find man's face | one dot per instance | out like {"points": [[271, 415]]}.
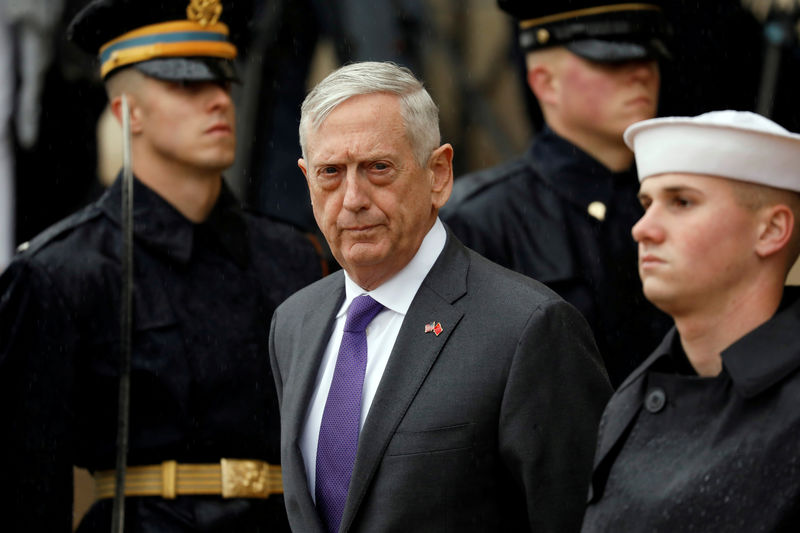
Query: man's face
{"points": [[371, 199], [696, 242], [186, 125], [602, 99]]}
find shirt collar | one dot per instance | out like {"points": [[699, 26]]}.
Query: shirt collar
{"points": [[660, 359], [227, 224], [159, 225], [669, 357], [755, 362], [398, 291], [770, 352], [573, 173]]}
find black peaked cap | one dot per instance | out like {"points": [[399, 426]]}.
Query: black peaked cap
{"points": [[598, 30]]}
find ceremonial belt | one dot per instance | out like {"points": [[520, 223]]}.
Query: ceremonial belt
{"points": [[230, 478]]}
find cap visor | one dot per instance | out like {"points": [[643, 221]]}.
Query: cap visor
{"points": [[189, 69], [617, 51]]}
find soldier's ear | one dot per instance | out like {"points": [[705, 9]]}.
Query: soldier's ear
{"points": [[135, 112], [543, 82]]}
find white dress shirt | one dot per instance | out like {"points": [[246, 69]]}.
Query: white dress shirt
{"points": [[395, 295]]}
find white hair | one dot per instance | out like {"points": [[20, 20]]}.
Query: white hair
{"points": [[418, 110]]}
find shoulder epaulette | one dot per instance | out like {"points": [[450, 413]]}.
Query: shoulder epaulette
{"points": [[64, 225], [471, 184]]}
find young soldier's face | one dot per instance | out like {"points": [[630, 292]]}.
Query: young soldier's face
{"points": [[602, 99], [696, 241], [188, 125]]}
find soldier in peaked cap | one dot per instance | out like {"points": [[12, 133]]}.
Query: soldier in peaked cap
{"points": [[562, 212], [703, 435], [204, 440]]}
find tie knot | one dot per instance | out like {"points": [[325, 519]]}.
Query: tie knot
{"points": [[361, 312]]}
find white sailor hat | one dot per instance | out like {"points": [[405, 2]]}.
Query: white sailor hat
{"points": [[737, 145]]}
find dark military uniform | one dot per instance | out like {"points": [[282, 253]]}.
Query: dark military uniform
{"points": [[559, 216], [201, 386], [682, 453]]}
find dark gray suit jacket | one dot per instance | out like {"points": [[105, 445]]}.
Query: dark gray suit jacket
{"points": [[489, 426]]}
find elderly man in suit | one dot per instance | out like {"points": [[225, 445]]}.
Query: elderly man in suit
{"points": [[423, 388]]}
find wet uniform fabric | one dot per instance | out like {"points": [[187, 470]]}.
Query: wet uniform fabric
{"points": [[559, 216], [678, 452], [201, 385]]}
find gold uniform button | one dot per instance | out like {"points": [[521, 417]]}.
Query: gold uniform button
{"points": [[542, 36], [597, 210]]}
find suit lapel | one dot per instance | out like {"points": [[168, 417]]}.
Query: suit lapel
{"points": [[412, 357], [317, 325]]}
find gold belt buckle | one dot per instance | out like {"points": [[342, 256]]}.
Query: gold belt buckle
{"points": [[245, 478]]}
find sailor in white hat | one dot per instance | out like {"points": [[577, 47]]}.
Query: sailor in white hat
{"points": [[703, 435]]}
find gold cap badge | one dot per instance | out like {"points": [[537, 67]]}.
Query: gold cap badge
{"points": [[204, 12]]}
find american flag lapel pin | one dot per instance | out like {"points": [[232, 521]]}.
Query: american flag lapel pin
{"points": [[435, 327]]}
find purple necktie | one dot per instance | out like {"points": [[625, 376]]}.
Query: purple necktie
{"points": [[338, 434]]}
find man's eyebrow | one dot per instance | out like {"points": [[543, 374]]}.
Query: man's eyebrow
{"points": [[365, 158], [667, 190], [678, 188]]}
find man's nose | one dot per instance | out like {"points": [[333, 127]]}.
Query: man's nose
{"points": [[648, 228], [644, 69], [219, 95], [355, 194]]}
